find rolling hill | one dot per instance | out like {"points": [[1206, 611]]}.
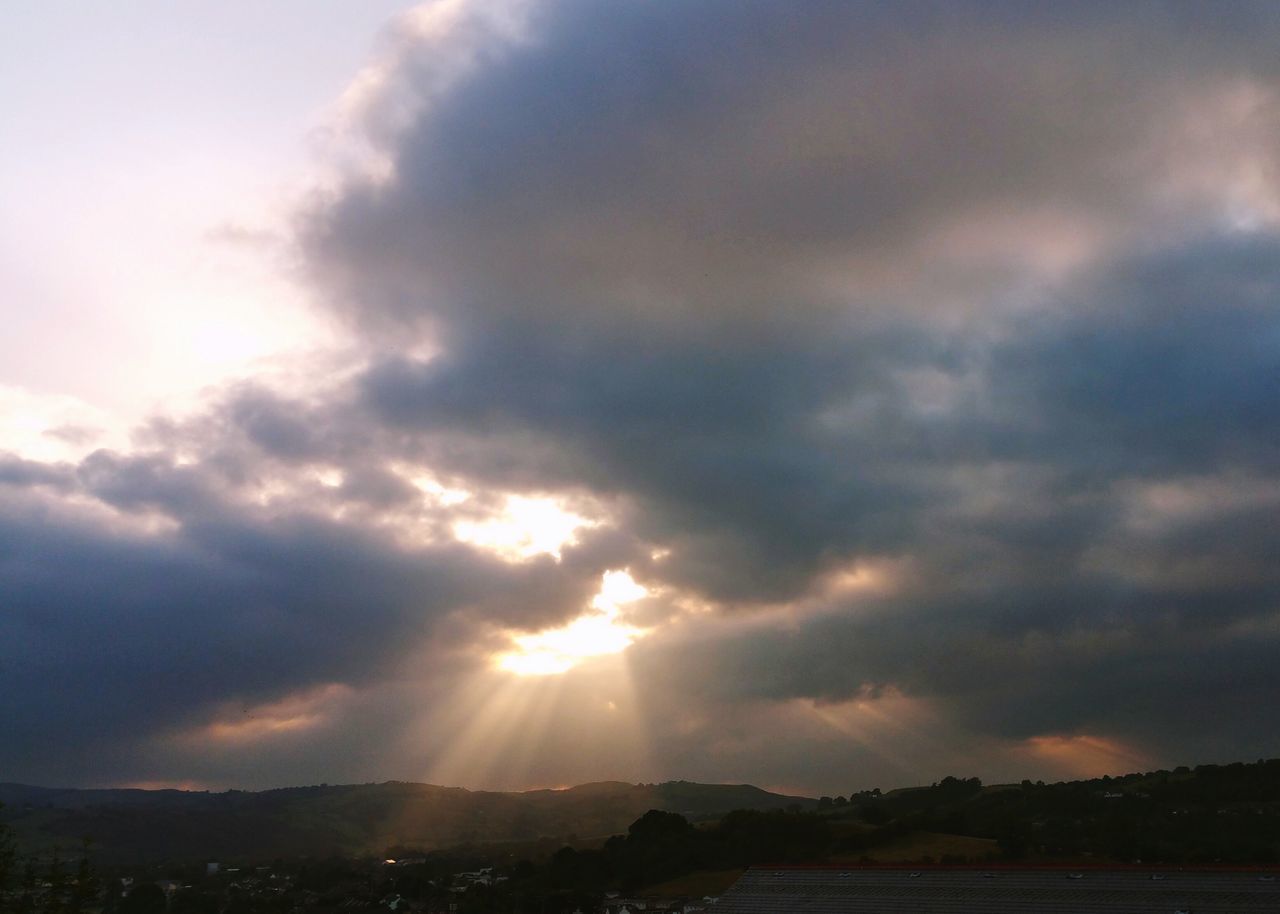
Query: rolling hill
{"points": [[144, 825]]}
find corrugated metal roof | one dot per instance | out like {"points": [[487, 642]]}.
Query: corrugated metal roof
{"points": [[867, 890]]}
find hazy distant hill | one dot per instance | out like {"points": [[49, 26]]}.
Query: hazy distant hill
{"points": [[137, 825]]}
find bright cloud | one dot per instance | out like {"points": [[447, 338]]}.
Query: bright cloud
{"points": [[524, 527], [595, 633]]}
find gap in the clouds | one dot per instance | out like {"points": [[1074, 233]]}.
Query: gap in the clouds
{"points": [[523, 527], [52, 427], [514, 526], [598, 631]]}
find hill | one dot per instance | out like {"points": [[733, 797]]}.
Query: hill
{"points": [[1207, 814], [141, 825]]}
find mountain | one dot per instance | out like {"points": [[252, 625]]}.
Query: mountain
{"points": [[130, 826]]}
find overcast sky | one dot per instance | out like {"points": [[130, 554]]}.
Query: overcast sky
{"points": [[515, 393]]}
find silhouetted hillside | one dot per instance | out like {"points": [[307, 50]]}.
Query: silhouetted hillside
{"points": [[135, 825], [1209, 814]]}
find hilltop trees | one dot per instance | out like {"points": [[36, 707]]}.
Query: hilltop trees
{"points": [[24, 890], [8, 856], [147, 898]]}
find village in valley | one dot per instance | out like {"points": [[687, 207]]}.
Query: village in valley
{"points": [[1211, 833]]}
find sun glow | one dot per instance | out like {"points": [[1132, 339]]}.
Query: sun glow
{"points": [[508, 732], [53, 427], [596, 632], [295, 713], [1083, 755], [526, 527]]}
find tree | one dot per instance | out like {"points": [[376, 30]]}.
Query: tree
{"points": [[147, 898], [85, 891], [656, 824], [57, 879], [8, 854], [27, 896]]}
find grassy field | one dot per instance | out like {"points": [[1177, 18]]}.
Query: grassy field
{"points": [[696, 885], [908, 849], [915, 847]]}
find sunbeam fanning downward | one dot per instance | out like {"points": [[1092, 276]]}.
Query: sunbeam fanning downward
{"points": [[505, 731], [597, 631], [510, 732]]}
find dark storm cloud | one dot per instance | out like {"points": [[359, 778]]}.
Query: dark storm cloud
{"points": [[1072, 599], [669, 251], [794, 283], [1173, 367], [715, 442], [790, 451], [1020, 663], [721, 166], [112, 633], [14, 471], [983, 291]]}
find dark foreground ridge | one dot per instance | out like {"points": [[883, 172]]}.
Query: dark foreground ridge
{"points": [[356, 819], [1007, 890], [1209, 815], [1198, 841]]}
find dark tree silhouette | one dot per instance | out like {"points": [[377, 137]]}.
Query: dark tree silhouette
{"points": [[147, 898]]}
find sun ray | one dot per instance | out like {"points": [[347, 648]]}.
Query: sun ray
{"points": [[1084, 755], [876, 724], [513, 732], [597, 632]]}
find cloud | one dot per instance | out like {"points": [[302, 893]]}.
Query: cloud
{"points": [[917, 361], [654, 268], [940, 286], [702, 170], [145, 596]]}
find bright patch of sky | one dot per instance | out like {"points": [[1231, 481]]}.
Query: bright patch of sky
{"points": [[526, 527], [595, 633], [152, 152]]}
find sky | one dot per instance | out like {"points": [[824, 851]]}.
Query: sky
{"points": [[520, 393]]}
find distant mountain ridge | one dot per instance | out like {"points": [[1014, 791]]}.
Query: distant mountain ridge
{"points": [[131, 825]]}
